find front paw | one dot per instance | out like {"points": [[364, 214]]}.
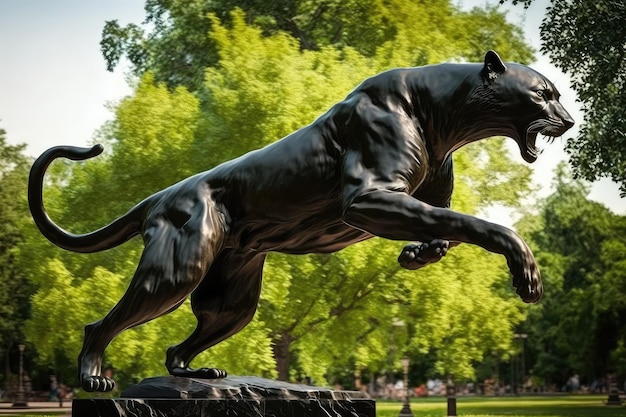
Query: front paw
{"points": [[526, 276], [530, 288], [418, 255]]}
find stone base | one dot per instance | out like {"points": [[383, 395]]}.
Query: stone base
{"points": [[234, 396]]}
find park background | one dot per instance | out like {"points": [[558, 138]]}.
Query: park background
{"points": [[330, 319]]}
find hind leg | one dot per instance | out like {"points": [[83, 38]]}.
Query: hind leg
{"points": [[224, 303], [98, 335], [173, 263]]}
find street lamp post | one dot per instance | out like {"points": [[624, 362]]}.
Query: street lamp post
{"points": [[406, 407], [522, 337], [20, 397]]}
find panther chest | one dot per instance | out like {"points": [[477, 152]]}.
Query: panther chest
{"points": [[437, 186]]}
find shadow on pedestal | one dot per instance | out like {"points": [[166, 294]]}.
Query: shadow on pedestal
{"points": [[234, 396]]}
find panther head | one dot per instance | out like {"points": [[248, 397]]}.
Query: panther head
{"points": [[528, 101]]}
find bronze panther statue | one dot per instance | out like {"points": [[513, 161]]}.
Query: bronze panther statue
{"points": [[376, 164]]}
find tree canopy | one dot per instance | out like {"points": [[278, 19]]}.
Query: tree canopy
{"points": [[579, 326], [172, 42], [586, 40], [15, 289]]}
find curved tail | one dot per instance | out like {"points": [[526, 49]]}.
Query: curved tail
{"points": [[116, 233]]}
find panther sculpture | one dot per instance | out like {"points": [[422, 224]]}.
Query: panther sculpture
{"points": [[377, 163]]}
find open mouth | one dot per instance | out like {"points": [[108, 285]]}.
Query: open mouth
{"points": [[550, 128]]}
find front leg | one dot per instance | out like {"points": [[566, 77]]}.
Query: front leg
{"points": [[398, 216], [385, 161]]}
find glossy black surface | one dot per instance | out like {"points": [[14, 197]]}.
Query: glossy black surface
{"points": [[377, 163]]}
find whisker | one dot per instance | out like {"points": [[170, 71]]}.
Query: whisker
{"points": [[553, 120], [537, 125]]}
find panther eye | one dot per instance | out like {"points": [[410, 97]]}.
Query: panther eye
{"points": [[540, 93]]}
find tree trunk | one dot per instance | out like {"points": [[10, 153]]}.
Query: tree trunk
{"points": [[282, 355]]}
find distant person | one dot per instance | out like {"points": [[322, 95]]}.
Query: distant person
{"points": [[53, 395], [573, 383]]}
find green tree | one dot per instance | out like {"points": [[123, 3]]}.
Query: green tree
{"points": [[175, 47], [327, 310], [579, 325], [586, 40], [14, 286], [265, 88], [342, 310]]}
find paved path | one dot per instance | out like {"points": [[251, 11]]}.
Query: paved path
{"points": [[6, 409]]}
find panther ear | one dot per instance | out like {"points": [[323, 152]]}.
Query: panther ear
{"points": [[493, 66]]}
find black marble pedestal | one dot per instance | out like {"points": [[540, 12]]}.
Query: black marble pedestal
{"points": [[234, 396]]}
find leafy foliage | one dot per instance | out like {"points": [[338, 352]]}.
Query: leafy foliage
{"points": [[397, 32], [14, 286], [264, 88], [579, 325]]}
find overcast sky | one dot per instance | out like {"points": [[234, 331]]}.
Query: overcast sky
{"points": [[54, 87]]}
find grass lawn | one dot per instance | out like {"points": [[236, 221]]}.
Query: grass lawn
{"points": [[549, 406]]}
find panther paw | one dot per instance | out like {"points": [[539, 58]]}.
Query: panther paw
{"points": [[96, 383], [418, 255], [529, 288], [526, 274], [201, 373]]}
